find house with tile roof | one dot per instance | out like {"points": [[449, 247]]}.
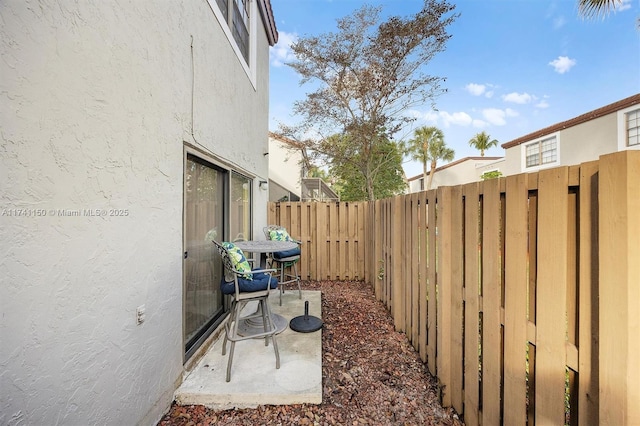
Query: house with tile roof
{"points": [[611, 128]]}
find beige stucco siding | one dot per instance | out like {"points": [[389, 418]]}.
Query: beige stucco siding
{"points": [[285, 166], [96, 107], [589, 140]]}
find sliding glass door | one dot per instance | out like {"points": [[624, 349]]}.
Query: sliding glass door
{"points": [[217, 206], [203, 221]]}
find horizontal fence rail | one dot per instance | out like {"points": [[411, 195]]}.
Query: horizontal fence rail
{"points": [[521, 293]]}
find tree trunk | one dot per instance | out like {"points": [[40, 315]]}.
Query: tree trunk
{"points": [[370, 194], [431, 173]]}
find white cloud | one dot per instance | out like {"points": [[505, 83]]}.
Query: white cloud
{"points": [[447, 119], [559, 22], [479, 89], [443, 118], [457, 118], [562, 64], [476, 89], [497, 116], [542, 104], [623, 5], [281, 52], [518, 98]]}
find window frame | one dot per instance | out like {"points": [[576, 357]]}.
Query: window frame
{"points": [[226, 21], [540, 141], [623, 139]]}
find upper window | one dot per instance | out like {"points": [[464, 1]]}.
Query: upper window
{"points": [[632, 119], [629, 128], [541, 152], [236, 14], [237, 19]]}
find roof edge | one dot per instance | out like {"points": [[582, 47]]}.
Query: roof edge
{"points": [[266, 13], [453, 163], [591, 115]]}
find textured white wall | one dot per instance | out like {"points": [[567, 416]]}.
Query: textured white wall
{"points": [[578, 144], [95, 106], [284, 166], [466, 171]]}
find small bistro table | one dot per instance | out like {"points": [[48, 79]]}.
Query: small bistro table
{"points": [[262, 247]]}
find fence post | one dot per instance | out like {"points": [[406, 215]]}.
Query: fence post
{"points": [[619, 239]]}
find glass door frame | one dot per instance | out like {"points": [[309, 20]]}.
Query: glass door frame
{"points": [[227, 172]]}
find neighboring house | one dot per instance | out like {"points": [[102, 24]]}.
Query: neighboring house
{"points": [[465, 170], [285, 168], [132, 134], [287, 175], [612, 128]]}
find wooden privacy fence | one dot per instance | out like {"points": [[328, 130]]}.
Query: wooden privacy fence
{"points": [[332, 235], [522, 294]]}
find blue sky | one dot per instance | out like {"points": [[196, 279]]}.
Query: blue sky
{"points": [[511, 66]]}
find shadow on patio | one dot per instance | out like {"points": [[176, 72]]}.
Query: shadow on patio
{"points": [[371, 375], [254, 377]]}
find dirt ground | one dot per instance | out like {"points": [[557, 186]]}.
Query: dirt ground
{"points": [[371, 375]]}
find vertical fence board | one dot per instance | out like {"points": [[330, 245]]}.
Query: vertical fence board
{"points": [[515, 328], [305, 237], [387, 265], [422, 293], [431, 282], [457, 281], [333, 253], [551, 295], [491, 304], [619, 207], [378, 225], [588, 295], [341, 255], [444, 284], [406, 255], [353, 221], [415, 301], [471, 308], [397, 217], [321, 236]]}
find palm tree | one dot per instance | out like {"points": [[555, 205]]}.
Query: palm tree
{"points": [[482, 141], [418, 147], [594, 8], [438, 150]]}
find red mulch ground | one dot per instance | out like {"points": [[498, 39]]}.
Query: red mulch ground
{"points": [[371, 374]]}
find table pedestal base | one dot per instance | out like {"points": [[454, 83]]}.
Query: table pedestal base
{"points": [[250, 326]]}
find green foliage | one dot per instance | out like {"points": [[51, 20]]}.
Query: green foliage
{"points": [[418, 147], [491, 175], [386, 172], [482, 142], [438, 150]]}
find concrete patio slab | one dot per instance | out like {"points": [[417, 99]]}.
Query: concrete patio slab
{"points": [[254, 377]]}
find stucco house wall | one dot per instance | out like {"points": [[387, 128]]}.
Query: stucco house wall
{"points": [[285, 170], [464, 170], [99, 102]]}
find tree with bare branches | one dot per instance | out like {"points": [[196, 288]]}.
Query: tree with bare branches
{"points": [[366, 76]]}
